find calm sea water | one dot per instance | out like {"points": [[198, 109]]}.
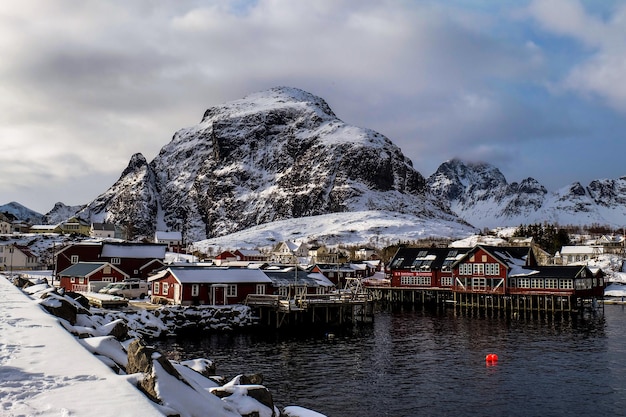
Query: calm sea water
{"points": [[420, 363]]}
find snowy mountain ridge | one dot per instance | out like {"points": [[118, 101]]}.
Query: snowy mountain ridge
{"points": [[479, 193], [283, 154]]}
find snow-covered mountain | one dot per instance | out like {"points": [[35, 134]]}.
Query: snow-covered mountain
{"points": [[479, 193], [273, 155], [132, 202], [21, 213], [282, 154], [60, 212]]}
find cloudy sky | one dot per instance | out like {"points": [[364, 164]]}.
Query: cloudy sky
{"points": [[536, 88]]}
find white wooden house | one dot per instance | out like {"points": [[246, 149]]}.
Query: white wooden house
{"points": [[17, 257], [102, 230], [5, 225], [289, 252], [173, 240], [578, 254]]}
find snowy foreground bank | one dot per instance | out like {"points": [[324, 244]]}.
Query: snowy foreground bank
{"points": [[86, 364]]}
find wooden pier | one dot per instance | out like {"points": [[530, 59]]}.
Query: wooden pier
{"points": [[324, 309], [405, 295], [506, 304]]}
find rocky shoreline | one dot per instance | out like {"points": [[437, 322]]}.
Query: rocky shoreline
{"points": [[121, 339]]}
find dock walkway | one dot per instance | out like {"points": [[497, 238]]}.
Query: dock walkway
{"points": [[340, 308]]}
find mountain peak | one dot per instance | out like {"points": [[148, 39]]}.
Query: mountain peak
{"points": [[270, 102], [22, 213], [272, 155]]}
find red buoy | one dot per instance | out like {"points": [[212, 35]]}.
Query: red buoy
{"points": [[491, 357]]}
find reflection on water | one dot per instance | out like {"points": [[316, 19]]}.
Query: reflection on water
{"points": [[411, 363]]}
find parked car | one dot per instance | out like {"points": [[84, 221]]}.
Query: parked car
{"points": [[127, 289]]}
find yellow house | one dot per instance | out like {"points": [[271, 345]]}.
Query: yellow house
{"points": [[45, 228], [75, 225]]}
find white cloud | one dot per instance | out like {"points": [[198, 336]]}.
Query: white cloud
{"points": [[602, 73], [88, 84]]}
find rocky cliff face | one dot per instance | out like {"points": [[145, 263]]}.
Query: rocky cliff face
{"points": [[132, 202], [273, 155]]}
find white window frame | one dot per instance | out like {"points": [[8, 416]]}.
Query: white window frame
{"points": [[260, 289], [492, 269], [165, 288], [231, 290], [551, 283], [156, 288], [195, 290], [479, 284], [465, 269], [74, 259], [116, 261]]}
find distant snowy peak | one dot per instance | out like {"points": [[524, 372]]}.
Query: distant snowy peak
{"points": [[21, 213], [479, 194], [456, 180], [61, 212], [608, 192]]}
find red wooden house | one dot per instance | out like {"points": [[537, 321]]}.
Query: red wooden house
{"points": [[424, 267], [137, 260], [225, 257], [251, 255], [485, 269], [577, 281], [82, 276], [193, 285], [79, 252]]}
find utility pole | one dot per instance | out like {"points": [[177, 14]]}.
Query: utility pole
{"points": [[11, 249]]}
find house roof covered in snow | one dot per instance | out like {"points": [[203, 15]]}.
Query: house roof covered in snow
{"points": [[161, 235], [133, 250], [287, 277], [84, 269], [213, 275], [433, 258], [581, 250], [103, 226]]}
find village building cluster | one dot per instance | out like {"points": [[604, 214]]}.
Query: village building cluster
{"points": [[229, 278], [515, 268]]}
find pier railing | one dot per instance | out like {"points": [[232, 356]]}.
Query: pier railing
{"points": [[305, 300]]}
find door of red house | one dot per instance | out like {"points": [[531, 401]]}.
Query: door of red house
{"points": [[219, 296]]}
